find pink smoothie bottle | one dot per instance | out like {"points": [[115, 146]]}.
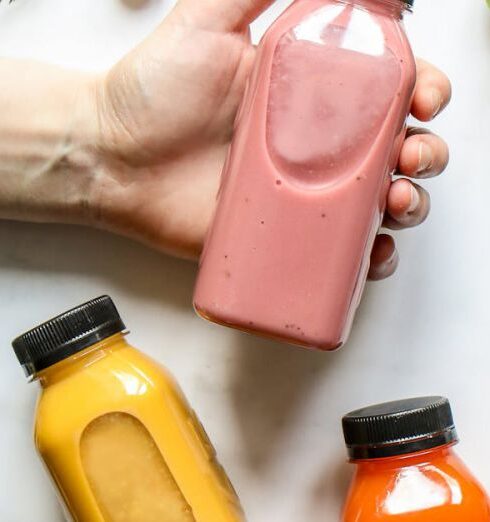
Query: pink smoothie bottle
{"points": [[304, 187]]}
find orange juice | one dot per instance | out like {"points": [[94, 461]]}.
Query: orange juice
{"points": [[407, 469], [113, 428]]}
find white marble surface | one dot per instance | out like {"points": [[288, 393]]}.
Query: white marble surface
{"points": [[272, 411]]}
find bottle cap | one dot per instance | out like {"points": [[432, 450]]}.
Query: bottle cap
{"points": [[67, 334], [399, 428]]}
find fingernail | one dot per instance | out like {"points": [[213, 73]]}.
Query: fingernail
{"points": [[387, 267], [425, 157], [414, 200], [436, 102]]}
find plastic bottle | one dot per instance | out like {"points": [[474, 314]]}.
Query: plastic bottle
{"points": [[114, 430], [304, 187], [406, 466]]}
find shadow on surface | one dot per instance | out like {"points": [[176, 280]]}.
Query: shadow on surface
{"points": [[332, 486], [57, 250], [270, 383], [135, 4]]}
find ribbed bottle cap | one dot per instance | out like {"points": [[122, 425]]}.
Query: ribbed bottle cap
{"points": [[399, 428], [408, 4], [396, 3], [67, 334]]}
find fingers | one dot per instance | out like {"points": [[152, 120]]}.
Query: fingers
{"points": [[221, 15], [384, 258], [408, 205], [423, 155], [432, 92]]}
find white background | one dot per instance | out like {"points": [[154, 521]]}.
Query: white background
{"points": [[273, 411]]}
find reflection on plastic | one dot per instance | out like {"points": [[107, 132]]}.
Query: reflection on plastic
{"points": [[364, 35], [419, 489], [313, 27], [132, 383]]}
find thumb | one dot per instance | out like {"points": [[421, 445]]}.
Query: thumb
{"points": [[220, 15]]}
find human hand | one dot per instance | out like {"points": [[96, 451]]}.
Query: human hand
{"points": [[166, 115]]}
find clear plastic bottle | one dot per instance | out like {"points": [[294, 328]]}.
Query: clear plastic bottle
{"points": [[406, 467], [113, 428], [304, 187]]}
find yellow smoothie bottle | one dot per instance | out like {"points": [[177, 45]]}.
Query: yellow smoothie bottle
{"points": [[113, 428]]}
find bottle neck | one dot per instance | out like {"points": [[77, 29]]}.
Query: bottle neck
{"points": [[394, 8], [80, 360], [403, 461]]}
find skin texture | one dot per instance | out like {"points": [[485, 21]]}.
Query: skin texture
{"points": [[138, 150]]}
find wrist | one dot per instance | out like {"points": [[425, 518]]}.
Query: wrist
{"points": [[48, 142], [75, 168]]}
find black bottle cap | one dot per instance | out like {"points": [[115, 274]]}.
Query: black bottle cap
{"points": [[399, 428], [408, 4], [67, 334]]}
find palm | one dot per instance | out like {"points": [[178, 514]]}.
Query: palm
{"points": [[166, 114], [173, 145]]}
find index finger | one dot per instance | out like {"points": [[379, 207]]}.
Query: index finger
{"points": [[432, 91]]}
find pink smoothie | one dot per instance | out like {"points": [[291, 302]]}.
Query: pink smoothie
{"points": [[304, 187]]}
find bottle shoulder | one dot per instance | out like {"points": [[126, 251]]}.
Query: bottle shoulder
{"points": [[441, 488], [339, 24], [121, 380], [104, 368]]}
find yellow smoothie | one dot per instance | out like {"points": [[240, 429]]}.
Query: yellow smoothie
{"points": [[116, 434]]}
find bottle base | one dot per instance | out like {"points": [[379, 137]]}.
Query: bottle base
{"points": [[252, 328]]}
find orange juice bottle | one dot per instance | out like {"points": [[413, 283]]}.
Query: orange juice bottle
{"points": [[407, 470], [115, 433]]}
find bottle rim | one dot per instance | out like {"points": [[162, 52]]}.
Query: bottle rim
{"points": [[403, 448], [407, 5]]}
